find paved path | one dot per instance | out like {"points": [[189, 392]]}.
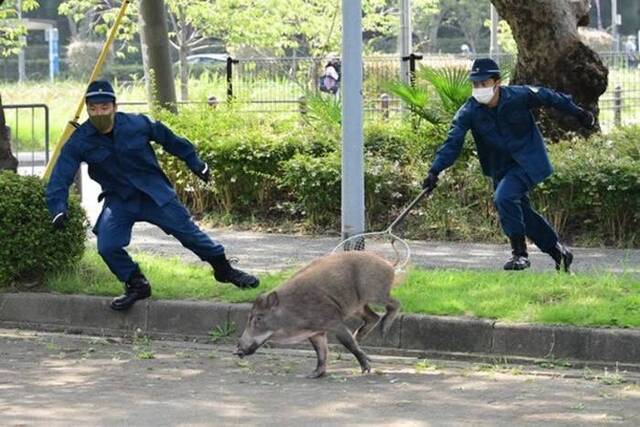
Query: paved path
{"points": [[265, 251], [61, 380]]}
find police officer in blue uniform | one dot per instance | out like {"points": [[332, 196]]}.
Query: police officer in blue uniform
{"points": [[512, 153], [117, 148]]}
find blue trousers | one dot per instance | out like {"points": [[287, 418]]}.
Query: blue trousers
{"points": [[116, 220], [517, 217]]}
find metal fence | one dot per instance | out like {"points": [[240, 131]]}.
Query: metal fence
{"points": [[278, 84], [29, 135]]}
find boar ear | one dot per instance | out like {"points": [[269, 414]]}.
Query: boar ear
{"points": [[272, 300]]}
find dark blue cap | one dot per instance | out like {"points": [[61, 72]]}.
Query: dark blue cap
{"points": [[483, 69], [100, 91]]}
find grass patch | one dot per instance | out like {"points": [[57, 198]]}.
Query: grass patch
{"points": [[600, 299], [171, 278], [596, 299]]}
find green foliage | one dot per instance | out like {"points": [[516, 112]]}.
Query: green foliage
{"points": [[596, 187], [31, 248], [11, 29], [450, 84], [417, 101], [244, 152], [282, 169], [323, 112]]}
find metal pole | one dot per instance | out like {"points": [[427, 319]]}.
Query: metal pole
{"points": [[405, 38], [494, 49], [22, 74], [230, 62], [614, 26], [352, 133], [617, 106]]}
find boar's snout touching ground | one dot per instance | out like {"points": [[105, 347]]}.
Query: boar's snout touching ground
{"points": [[318, 300]]}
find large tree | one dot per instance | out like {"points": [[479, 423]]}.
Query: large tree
{"points": [[551, 54]]}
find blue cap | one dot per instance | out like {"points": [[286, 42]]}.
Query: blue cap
{"points": [[100, 91], [483, 69]]}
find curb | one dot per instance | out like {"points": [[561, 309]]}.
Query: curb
{"points": [[409, 332]]}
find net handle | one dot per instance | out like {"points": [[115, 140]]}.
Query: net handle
{"points": [[405, 212]]}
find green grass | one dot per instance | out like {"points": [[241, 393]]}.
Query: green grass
{"points": [[171, 278], [596, 299], [601, 299]]}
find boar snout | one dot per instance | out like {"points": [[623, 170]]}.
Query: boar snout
{"points": [[245, 351]]}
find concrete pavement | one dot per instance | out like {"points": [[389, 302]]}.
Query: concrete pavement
{"points": [[61, 380]]}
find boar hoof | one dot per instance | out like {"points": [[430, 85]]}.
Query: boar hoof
{"points": [[316, 374], [366, 368]]}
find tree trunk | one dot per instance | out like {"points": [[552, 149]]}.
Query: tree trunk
{"points": [[551, 54], [184, 65], [154, 39], [7, 160]]}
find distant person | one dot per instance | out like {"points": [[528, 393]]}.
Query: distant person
{"points": [[631, 52], [117, 148], [512, 153], [330, 80]]}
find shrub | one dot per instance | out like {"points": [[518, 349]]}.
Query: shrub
{"points": [[244, 152], [81, 56], [30, 247], [270, 168]]}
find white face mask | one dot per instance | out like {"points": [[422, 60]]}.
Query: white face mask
{"points": [[483, 95]]}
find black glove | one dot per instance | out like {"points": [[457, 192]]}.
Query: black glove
{"points": [[59, 221], [586, 118], [204, 173], [430, 182]]}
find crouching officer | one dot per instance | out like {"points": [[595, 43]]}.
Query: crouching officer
{"points": [[116, 147], [512, 153]]}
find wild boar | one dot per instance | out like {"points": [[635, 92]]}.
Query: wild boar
{"points": [[319, 299]]}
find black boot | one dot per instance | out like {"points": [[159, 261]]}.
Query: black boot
{"points": [[136, 288], [224, 273], [562, 257], [520, 258]]}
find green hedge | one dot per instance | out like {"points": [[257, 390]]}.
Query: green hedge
{"points": [[270, 167], [30, 247]]}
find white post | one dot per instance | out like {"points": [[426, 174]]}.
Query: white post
{"points": [[494, 47], [614, 26], [405, 38], [22, 74], [352, 107], [54, 56]]}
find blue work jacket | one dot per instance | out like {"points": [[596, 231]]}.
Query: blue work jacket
{"points": [[124, 163], [505, 135]]}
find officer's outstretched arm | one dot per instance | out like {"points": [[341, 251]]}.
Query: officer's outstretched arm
{"points": [[450, 150], [57, 192], [544, 97], [179, 147]]}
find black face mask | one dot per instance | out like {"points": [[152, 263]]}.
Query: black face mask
{"points": [[102, 122]]}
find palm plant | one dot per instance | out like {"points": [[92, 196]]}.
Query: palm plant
{"points": [[450, 84], [416, 99]]}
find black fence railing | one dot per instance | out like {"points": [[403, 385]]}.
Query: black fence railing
{"points": [[29, 135]]}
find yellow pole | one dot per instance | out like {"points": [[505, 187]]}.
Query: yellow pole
{"points": [[97, 70]]}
